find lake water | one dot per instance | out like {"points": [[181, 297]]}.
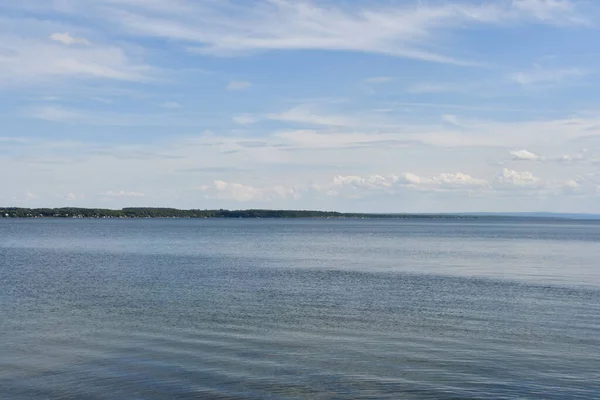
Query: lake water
{"points": [[299, 309]]}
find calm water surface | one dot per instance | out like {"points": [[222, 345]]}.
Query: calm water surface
{"points": [[299, 309]]}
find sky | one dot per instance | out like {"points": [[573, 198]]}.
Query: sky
{"points": [[349, 105]]}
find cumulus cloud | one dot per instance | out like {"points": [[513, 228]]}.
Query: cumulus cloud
{"points": [[363, 186], [247, 193], [579, 157], [349, 186], [238, 85], [368, 182], [524, 155], [66, 38], [409, 181], [458, 180], [519, 179], [571, 185], [566, 158]]}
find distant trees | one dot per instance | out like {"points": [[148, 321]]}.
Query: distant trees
{"points": [[148, 212]]}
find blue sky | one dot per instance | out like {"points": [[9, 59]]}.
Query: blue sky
{"points": [[379, 106]]}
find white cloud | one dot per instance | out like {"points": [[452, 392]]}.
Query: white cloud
{"points": [[304, 114], [540, 75], [349, 186], [223, 28], [343, 130], [557, 11], [357, 186], [571, 185], [266, 184], [521, 133], [579, 157], [247, 193], [524, 155], [451, 119], [458, 180], [407, 181], [518, 179], [238, 85], [309, 139], [56, 114], [66, 38], [369, 182], [36, 61], [122, 193], [108, 118]]}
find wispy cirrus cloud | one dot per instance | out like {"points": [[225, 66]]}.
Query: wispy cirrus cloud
{"points": [[84, 116], [66, 38], [31, 60], [225, 28], [545, 76], [58, 114], [551, 11], [310, 115]]}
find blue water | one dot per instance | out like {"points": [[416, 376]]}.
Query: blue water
{"points": [[299, 309]]}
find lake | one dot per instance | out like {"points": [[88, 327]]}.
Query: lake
{"points": [[299, 309]]}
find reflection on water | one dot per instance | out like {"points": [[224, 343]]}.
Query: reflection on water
{"points": [[299, 309]]}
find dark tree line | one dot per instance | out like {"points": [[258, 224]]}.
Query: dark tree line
{"points": [[145, 212]]}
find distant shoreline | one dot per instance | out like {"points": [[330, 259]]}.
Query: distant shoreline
{"points": [[150, 212]]}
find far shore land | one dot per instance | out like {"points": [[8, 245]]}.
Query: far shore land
{"points": [[149, 212]]}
